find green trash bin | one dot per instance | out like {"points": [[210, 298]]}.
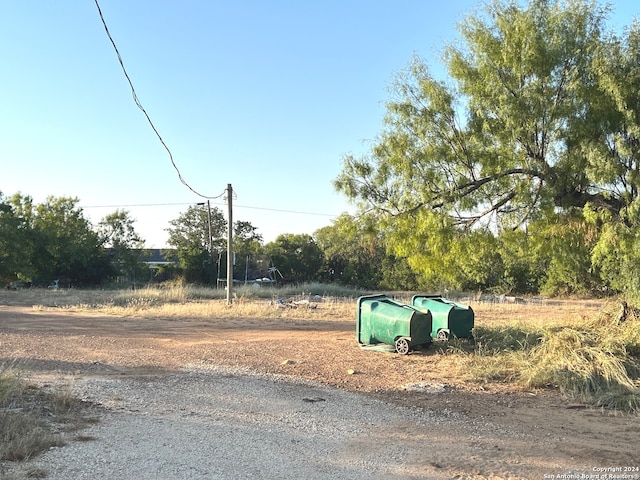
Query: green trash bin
{"points": [[381, 320], [450, 319]]}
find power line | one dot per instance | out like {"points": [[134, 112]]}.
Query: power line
{"points": [[182, 180], [137, 205], [191, 203], [287, 211], [139, 105]]}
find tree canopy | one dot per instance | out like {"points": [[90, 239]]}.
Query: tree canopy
{"points": [[537, 120], [202, 259], [117, 234], [510, 135], [189, 237], [49, 241], [297, 256]]}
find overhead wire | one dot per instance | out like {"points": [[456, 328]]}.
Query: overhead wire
{"points": [[155, 130], [191, 203], [139, 105]]}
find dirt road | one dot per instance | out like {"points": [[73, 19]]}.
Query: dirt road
{"points": [[500, 433]]}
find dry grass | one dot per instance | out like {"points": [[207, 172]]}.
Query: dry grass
{"points": [[32, 419], [541, 314], [326, 311], [194, 302], [581, 347], [591, 354]]}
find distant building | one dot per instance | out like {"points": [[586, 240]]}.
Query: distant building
{"points": [[154, 258]]}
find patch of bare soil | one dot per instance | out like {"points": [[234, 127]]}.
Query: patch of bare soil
{"points": [[554, 435]]}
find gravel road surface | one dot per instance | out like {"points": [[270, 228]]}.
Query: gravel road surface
{"points": [[221, 423]]}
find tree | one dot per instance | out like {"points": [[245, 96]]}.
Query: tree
{"points": [[189, 236], [615, 162], [536, 121], [527, 85], [297, 256], [443, 255], [57, 241], [522, 272], [20, 238], [353, 252], [117, 234], [561, 247], [247, 244], [14, 241], [356, 254]]}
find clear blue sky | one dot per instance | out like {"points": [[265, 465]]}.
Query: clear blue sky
{"points": [[267, 96]]}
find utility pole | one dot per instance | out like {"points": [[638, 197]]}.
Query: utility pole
{"points": [[229, 245]]}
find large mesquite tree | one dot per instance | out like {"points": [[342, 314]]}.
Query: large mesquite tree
{"points": [[615, 164], [530, 125]]}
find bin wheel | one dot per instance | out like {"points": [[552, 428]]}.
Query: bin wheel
{"points": [[402, 346], [443, 335]]}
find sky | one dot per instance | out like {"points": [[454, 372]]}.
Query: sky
{"points": [[266, 96]]}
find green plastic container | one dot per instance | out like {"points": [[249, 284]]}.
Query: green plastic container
{"points": [[450, 319], [381, 320]]}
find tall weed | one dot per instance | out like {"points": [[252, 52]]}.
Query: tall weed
{"points": [[595, 361], [27, 414], [23, 433]]}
